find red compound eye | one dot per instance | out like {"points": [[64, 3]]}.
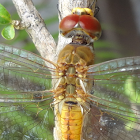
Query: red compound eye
{"points": [[90, 24], [68, 22]]}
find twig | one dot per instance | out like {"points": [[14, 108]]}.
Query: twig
{"points": [[37, 30]]}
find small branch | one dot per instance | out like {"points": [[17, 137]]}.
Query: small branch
{"points": [[19, 25], [37, 30]]}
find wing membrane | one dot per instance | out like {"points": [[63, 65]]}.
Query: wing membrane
{"points": [[25, 97], [115, 100], [20, 69]]}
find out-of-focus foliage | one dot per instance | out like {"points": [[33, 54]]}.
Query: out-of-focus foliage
{"points": [[5, 18]]}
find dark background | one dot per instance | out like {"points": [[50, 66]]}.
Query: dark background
{"points": [[121, 24]]}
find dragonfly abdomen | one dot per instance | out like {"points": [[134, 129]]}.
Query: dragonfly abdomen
{"points": [[71, 120]]}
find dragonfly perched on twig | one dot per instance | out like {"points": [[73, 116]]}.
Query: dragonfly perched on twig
{"points": [[90, 101]]}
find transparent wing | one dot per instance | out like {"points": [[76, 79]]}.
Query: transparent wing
{"points": [[115, 103], [25, 95]]}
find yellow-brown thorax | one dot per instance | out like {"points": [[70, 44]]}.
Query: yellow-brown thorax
{"points": [[71, 90]]}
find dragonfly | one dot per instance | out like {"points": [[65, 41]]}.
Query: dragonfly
{"points": [[83, 100]]}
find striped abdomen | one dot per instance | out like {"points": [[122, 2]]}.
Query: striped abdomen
{"points": [[71, 121]]}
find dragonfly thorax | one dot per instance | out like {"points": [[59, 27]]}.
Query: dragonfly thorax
{"points": [[76, 54], [73, 63]]}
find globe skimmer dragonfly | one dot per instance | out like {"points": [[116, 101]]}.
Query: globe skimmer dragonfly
{"points": [[28, 96]]}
